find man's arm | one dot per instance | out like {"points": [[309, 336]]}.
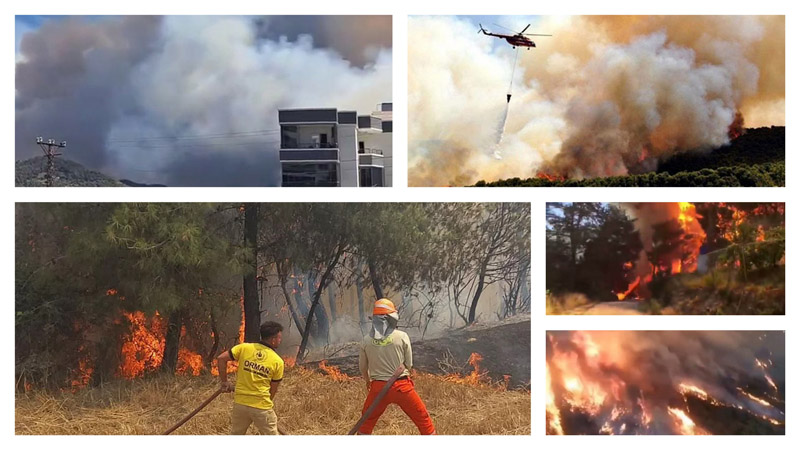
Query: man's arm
{"points": [[222, 368], [363, 365], [408, 360], [273, 389]]}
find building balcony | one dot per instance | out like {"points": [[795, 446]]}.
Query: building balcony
{"points": [[307, 145], [369, 124], [370, 160], [309, 154], [370, 151]]}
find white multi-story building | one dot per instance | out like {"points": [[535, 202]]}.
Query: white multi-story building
{"points": [[326, 147]]}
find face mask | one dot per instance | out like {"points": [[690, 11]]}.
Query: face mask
{"points": [[383, 325]]}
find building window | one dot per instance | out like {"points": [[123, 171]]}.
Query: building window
{"points": [[371, 177], [288, 136], [310, 175]]}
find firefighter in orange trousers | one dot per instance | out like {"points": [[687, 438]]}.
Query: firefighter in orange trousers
{"points": [[385, 349]]}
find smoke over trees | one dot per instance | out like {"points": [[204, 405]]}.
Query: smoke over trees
{"points": [[605, 96], [166, 99], [693, 258]]}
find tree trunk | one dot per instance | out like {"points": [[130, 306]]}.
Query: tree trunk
{"points": [[323, 324], [214, 345], [315, 302], [359, 291], [376, 281], [292, 310], [332, 301], [172, 342], [478, 291], [252, 305]]}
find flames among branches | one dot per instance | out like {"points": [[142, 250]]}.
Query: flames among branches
{"points": [[621, 382]]}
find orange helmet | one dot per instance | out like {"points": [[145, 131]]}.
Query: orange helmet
{"points": [[383, 306]]}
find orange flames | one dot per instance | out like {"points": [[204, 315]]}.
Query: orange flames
{"points": [[334, 372], [682, 261], [631, 287], [474, 378], [589, 375], [143, 347], [736, 128], [81, 376], [550, 177]]}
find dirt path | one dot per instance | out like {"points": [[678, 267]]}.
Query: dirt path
{"points": [[621, 308]]}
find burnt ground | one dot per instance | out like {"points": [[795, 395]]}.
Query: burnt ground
{"points": [[505, 348]]}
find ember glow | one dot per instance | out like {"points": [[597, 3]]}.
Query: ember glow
{"points": [[664, 382]]}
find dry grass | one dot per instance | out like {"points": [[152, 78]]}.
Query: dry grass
{"points": [[308, 403]]}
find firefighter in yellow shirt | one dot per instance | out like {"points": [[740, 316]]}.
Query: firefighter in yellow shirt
{"points": [[257, 379]]}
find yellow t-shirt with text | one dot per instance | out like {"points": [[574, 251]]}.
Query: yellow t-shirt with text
{"points": [[259, 365]]}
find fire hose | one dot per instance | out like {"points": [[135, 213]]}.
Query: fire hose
{"points": [[198, 409], [385, 390]]}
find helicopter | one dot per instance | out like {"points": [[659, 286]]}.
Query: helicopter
{"points": [[516, 40]]}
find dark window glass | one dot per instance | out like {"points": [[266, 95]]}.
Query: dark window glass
{"points": [[370, 177], [310, 175], [288, 136]]}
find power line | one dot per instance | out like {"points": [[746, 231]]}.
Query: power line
{"points": [[50, 149], [254, 133]]}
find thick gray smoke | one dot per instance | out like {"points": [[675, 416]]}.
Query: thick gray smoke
{"points": [[603, 96], [107, 85]]}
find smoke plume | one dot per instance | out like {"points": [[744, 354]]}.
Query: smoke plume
{"points": [[605, 95], [108, 85]]}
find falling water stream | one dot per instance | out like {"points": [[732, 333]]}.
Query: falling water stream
{"points": [[502, 124]]}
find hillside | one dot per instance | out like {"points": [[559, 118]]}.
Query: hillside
{"points": [[309, 402], [31, 173], [757, 158]]}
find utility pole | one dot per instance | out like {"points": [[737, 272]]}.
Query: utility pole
{"points": [[50, 149]]}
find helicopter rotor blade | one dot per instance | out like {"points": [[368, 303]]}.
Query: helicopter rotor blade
{"points": [[505, 28], [523, 30], [535, 34]]}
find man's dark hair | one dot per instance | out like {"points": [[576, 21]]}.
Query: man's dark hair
{"points": [[270, 329]]}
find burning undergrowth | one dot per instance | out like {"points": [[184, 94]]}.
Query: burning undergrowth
{"points": [[310, 403], [490, 356], [665, 382]]}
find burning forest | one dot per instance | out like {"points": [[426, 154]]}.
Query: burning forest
{"points": [[665, 382], [623, 100], [679, 258], [136, 293]]}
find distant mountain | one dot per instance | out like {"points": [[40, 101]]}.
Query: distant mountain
{"points": [[756, 158], [31, 173], [135, 184]]}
